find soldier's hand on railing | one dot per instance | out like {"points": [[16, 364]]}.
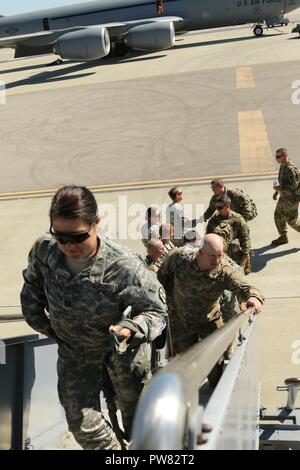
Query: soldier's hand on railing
{"points": [[122, 333], [255, 303]]}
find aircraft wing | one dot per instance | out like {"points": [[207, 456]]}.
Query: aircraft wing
{"points": [[42, 38]]}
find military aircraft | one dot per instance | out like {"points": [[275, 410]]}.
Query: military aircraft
{"points": [[93, 30]]}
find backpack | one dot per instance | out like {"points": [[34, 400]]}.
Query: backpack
{"points": [[297, 193], [253, 213], [297, 190]]}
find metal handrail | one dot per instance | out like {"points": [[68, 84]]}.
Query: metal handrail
{"points": [[173, 395]]}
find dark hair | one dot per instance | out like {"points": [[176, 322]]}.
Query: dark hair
{"points": [[173, 191], [225, 199], [281, 151], [217, 182], [74, 202], [152, 212]]}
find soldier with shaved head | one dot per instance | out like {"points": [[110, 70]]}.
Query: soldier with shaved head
{"points": [[195, 281], [155, 251]]}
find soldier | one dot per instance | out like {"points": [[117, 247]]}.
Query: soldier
{"points": [[196, 281], [77, 286], [231, 226], [166, 234], [159, 7], [240, 202], [151, 228], [155, 251], [192, 240], [286, 211]]}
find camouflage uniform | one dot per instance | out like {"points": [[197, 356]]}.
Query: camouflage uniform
{"points": [[239, 203], [232, 228], [196, 295], [81, 309], [229, 305], [154, 265], [286, 211]]}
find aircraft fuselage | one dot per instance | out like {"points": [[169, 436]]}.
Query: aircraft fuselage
{"points": [[197, 14]]}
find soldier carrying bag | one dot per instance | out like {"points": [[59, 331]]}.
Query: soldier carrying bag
{"points": [[253, 212], [297, 190]]}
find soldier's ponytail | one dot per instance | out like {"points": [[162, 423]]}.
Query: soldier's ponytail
{"points": [[74, 202]]}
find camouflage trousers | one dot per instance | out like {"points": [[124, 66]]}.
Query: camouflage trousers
{"points": [[286, 212], [229, 306], [128, 373], [183, 340], [79, 386]]}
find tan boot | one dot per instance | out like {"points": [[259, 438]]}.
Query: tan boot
{"points": [[282, 240]]}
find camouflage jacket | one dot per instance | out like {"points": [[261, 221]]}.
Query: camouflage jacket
{"points": [[239, 203], [196, 293], [153, 265], [234, 227], [82, 307], [288, 178]]}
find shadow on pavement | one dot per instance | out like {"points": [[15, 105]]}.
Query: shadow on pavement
{"points": [[63, 73], [224, 41], [261, 258]]}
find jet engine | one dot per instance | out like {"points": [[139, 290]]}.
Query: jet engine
{"points": [[152, 36], [88, 44]]}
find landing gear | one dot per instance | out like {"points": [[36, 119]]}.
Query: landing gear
{"points": [[121, 49], [258, 30], [56, 62]]}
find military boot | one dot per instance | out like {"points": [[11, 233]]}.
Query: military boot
{"points": [[96, 432], [282, 240]]}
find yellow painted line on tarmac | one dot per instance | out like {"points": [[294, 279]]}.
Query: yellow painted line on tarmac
{"points": [[47, 193], [244, 77], [255, 150]]}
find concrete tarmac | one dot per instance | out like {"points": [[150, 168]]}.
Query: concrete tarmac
{"points": [[149, 109], [219, 103]]}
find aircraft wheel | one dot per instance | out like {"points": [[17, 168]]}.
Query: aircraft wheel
{"points": [[258, 31], [121, 49]]}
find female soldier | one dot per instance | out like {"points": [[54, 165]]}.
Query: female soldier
{"points": [[85, 283]]}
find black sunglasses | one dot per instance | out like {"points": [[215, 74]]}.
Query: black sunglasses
{"points": [[74, 238], [220, 207]]}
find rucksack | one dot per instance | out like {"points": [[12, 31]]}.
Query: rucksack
{"points": [[297, 190], [253, 213]]}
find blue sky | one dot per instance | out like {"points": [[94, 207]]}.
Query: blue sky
{"points": [[9, 7]]}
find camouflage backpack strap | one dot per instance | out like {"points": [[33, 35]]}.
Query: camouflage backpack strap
{"points": [[247, 214], [225, 230], [297, 190]]}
